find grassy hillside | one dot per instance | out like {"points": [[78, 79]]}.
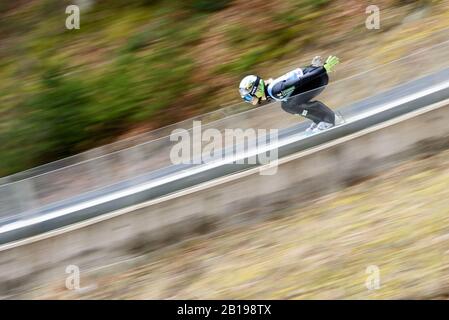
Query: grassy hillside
{"points": [[149, 63]]}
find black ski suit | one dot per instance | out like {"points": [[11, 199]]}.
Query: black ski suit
{"points": [[297, 88]]}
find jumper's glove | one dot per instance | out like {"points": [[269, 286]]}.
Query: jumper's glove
{"points": [[331, 62]]}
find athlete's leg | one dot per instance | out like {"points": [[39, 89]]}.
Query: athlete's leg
{"points": [[318, 112], [311, 85], [295, 104], [300, 100]]}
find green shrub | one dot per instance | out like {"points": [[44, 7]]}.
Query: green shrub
{"points": [[56, 115], [208, 5]]}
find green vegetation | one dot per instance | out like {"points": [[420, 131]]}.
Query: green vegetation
{"points": [[151, 62]]}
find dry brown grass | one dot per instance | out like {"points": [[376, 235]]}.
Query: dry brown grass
{"points": [[397, 221]]}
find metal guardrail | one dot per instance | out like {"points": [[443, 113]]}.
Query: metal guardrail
{"points": [[374, 110]]}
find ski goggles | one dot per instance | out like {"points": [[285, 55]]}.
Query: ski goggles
{"points": [[247, 97]]}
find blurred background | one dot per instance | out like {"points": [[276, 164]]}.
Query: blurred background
{"points": [[138, 66], [134, 67]]}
